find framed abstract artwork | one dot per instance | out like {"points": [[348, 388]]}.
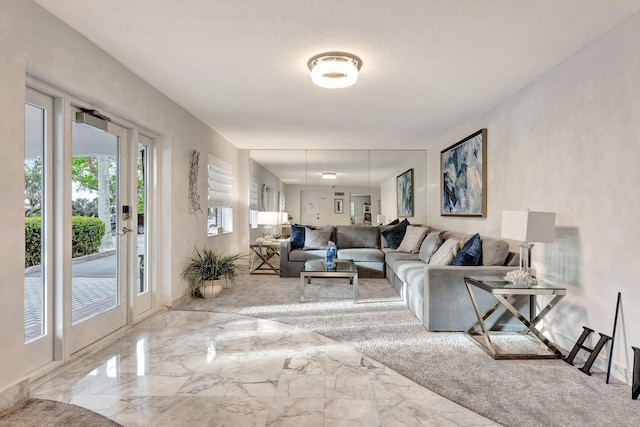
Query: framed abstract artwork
{"points": [[463, 175], [404, 193], [338, 206]]}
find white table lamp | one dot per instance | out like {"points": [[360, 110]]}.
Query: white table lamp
{"points": [[528, 227], [269, 220], [381, 219]]}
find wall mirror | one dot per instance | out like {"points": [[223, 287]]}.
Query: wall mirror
{"points": [[339, 187]]}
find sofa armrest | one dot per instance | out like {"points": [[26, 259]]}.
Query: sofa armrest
{"points": [[285, 248], [447, 305]]}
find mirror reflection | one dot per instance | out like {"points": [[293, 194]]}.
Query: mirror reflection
{"points": [[337, 187]]}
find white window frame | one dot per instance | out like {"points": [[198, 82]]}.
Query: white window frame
{"points": [[220, 181], [253, 203]]}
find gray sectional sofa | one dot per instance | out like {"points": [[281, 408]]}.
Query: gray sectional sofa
{"points": [[436, 294], [359, 243]]}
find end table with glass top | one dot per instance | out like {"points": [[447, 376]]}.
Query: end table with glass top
{"points": [[267, 252], [342, 269], [503, 290]]}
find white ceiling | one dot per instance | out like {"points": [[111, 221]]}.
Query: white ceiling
{"points": [[428, 65]]}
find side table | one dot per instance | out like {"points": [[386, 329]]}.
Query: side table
{"points": [[266, 251], [502, 290]]}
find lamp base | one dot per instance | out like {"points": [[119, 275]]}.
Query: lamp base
{"points": [[525, 256]]}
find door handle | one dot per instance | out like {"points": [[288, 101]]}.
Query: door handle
{"points": [[125, 230]]}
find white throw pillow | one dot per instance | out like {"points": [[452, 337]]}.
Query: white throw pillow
{"points": [[445, 253], [316, 239], [413, 238]]}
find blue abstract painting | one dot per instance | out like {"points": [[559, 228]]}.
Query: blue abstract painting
{"points": [[404, 193], [463, 176]]}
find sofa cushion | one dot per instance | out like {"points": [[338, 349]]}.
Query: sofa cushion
{"points": [[361, 255], [402, 267], [300, 255], [494, 251], [316, 239], [430, 245], [413, 237], [357, 236], [392, 256], [395, 235], [445, 253], [394, 222], [470, 253]]}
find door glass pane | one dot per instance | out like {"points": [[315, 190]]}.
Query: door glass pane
{"points": [[34, 289], [94, 244], [142, 167]]}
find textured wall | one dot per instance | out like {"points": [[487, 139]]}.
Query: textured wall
{"points": [[569, 143], [33, 41]]}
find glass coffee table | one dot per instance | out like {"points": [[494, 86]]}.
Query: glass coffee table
{"points": [[343, 269]]}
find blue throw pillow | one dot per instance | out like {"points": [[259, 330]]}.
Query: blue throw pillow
{"points": [[394, 235], [470, 253], [394, 222], [297, 236]]}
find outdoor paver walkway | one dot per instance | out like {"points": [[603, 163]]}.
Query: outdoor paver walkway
{"points": [[90, 295]]}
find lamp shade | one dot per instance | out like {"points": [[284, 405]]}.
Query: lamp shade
{"points": [[381, 219], [269, 218], [528, 226]]}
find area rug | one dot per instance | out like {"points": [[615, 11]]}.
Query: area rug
{"points": [[50, 413], [510, 392]]}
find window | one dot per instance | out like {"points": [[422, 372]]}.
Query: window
{"points": [[253, 203], [220, 198]]}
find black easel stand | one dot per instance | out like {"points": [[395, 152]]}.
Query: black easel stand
{"points": [[635, 385], [594, 351], [613, 336]]}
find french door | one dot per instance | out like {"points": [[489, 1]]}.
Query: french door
{"points": [[87, 228], [38, 190], [98, 268]]}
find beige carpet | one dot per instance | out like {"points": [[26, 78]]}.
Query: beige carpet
{"points": [[513, 393], [50, 413]]}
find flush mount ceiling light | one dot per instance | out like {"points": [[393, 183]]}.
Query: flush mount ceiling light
{"points": [[334, 70], [329, 175]]}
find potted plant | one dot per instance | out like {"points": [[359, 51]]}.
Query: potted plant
{"points": [[206, 269]]}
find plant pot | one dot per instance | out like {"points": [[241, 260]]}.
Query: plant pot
{"points": [[211, 288]]}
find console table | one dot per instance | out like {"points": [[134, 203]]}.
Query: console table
{"points": [[502, 290]]}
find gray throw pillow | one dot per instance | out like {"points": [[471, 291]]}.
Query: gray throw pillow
{"points": [[445, 253], [413, 237], [430, 245], [316, 239]]}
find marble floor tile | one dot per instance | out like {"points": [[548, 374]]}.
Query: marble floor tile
{"points": [[185, 368]]}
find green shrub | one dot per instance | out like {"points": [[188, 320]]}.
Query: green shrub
{"points": [[87, 234], [33, 241]]}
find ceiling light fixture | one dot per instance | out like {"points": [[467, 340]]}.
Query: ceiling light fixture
{"points": [[329, 175], [334, 70]]}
